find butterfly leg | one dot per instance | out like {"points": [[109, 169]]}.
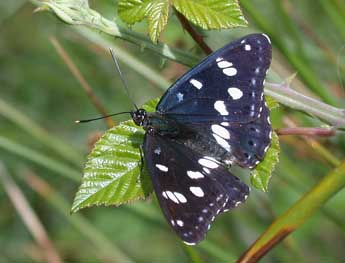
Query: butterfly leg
{"points": [[141, 158]]}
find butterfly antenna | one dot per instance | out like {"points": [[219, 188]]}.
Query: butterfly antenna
{"points": [[103, 117], [112, 52]]}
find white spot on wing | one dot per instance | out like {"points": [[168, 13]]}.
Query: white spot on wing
{"points": [[206, 170], [179, 97], [224, 64], [180, 197], [197, 84], [157, 151], [230, 71], [195, 175], [235, 93], [162, 167], [208, 162], [221, 131], [223, 143], [220, 107], [164, 194], [172, 197], [224, 123], [197, 191], [268, 39], [219, 59], [247, 47], [179, 222]]}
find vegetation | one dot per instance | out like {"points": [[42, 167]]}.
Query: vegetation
{"points": [[56, 68]]}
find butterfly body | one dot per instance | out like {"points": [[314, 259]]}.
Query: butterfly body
{"points": [[212, 117]]}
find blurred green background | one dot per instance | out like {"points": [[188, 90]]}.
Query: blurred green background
{"points": [[43, 151]]}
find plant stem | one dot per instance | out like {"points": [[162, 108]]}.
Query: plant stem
{"points": [[29, 217], [79, 13], [285, 95], [64, 150], [103, 246], [306, 131], [289, 97], [294, 217], [80, 78], [40, 159], [197, 37]]}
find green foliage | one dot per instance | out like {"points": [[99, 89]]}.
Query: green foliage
{"points": [[262, 173], [213, 14], [112, 174], [132, 11], [158, 18]]}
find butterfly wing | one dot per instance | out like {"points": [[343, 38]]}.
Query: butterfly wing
{"points": [[225, 86], [244, 144], [191, 189]]}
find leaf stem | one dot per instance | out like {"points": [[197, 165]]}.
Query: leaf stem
{"points": [[192, 32]]}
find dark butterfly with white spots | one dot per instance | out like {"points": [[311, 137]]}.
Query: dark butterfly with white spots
{"points": [[214, 116]]}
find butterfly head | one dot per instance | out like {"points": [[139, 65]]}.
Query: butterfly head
{"points": [[139, 117]]}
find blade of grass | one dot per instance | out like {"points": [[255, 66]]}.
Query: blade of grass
{"points": [[304, 71], [101, 242], [28, 125], [40, 159], [83, 15], [294, 217], [82, 81], [336, 17], [125, 57], [29, 217]]}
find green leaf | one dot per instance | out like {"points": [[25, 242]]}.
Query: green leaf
{"points": [[132, 11], [262, 173], [158, 17], [112, 172], [271, 103], [212, 14]]}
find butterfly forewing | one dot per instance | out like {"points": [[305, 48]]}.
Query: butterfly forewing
{"points": [[226, 86], [192, 189]]}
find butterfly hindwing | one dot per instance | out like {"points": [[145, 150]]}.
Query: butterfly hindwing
{"points": [[192, 189], [244, 144], [226, 86]]}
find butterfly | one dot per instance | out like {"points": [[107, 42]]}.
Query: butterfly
{"points": [[213, 117]]}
